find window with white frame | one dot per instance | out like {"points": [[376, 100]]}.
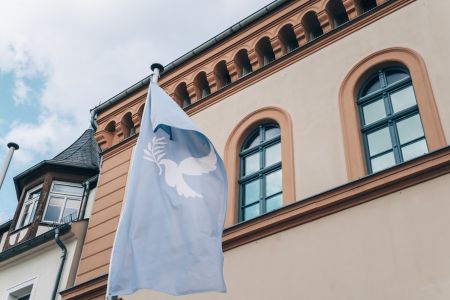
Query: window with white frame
{"points": [[64, 201], [23, 291], [29, 207]]}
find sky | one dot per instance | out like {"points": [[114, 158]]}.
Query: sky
{"points": [[59, 59]]}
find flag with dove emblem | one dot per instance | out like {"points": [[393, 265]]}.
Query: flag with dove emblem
{"points": [[169, 237]]}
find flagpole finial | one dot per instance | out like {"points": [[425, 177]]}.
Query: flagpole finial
{"points": [[157, 70]]}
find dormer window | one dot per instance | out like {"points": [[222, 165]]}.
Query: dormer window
{"points": [[29, 207], [64, 202]]}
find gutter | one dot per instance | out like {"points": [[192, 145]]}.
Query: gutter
{"points": [[34, 242], [61, 265], [186, 57]]}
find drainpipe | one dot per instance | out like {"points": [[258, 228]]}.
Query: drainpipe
{"points": [[85, 200], [61, 265]]}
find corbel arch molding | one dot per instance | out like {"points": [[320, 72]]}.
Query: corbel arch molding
{"points": [[241, 47], [323, 5], [280, 26], [233, 147], [191, 77], [353, 147], [258, 39], [303, 13]]}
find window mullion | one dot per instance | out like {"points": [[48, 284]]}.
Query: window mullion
{"points": [[63, 208], [395, 141], [262, 202]]}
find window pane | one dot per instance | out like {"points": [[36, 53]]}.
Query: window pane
{"points": [[69, 211], [374, 111], [68, 189], [253, 141], [414, 150], [403, 99], [54, 207], [379, 141], [273, 183], [251, 163], [251, 212], [35, 194], [251, 192], [274, 203], [26, 215], [273, 154], [394, 76], [72, 207], [410, 129], [52, 213], [382, 162], [271, 133], [372, 86], [33, 210]]}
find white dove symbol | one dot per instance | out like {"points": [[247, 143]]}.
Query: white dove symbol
{"points": [[192, 166]]}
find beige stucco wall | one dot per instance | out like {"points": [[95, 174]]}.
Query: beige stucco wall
{"points": [[396, 247], [309, 90], [90, 203], [42, 264]]}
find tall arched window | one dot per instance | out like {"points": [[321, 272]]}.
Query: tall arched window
{"points": [[390, 121], [260, 180]]}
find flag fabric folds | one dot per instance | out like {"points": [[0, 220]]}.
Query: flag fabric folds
{"points": [[169, 237]]}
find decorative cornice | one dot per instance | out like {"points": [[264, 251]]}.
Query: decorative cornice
{"points": [[247, 40]]}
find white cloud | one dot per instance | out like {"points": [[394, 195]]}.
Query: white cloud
{"points": [[90, 50], [21, 91], [50, 135]]}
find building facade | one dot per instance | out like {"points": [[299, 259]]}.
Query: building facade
{"points": [[333, 120], [41, 246]]}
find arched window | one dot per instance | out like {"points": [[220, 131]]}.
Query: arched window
{"points": [[260, 180], [128, 126], [223, 77], [202, 85], [243, 63], [365, 5], [337, 12], [288, 39], [265, 52], [110, 131], [312, 26], [182, 95], [390, 121]]}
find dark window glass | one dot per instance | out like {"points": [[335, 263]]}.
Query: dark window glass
{"points": [[337, 12], [260, 183], [366, 5], [373, 85], [390, 121]]}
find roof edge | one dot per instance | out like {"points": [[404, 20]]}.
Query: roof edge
{"points": [[185, 57]]}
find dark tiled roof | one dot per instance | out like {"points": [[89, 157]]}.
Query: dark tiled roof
{"points": [[84, 152]]}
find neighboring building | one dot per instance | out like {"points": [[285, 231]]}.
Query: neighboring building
{"points": [[333, 119], [41, 246]]}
